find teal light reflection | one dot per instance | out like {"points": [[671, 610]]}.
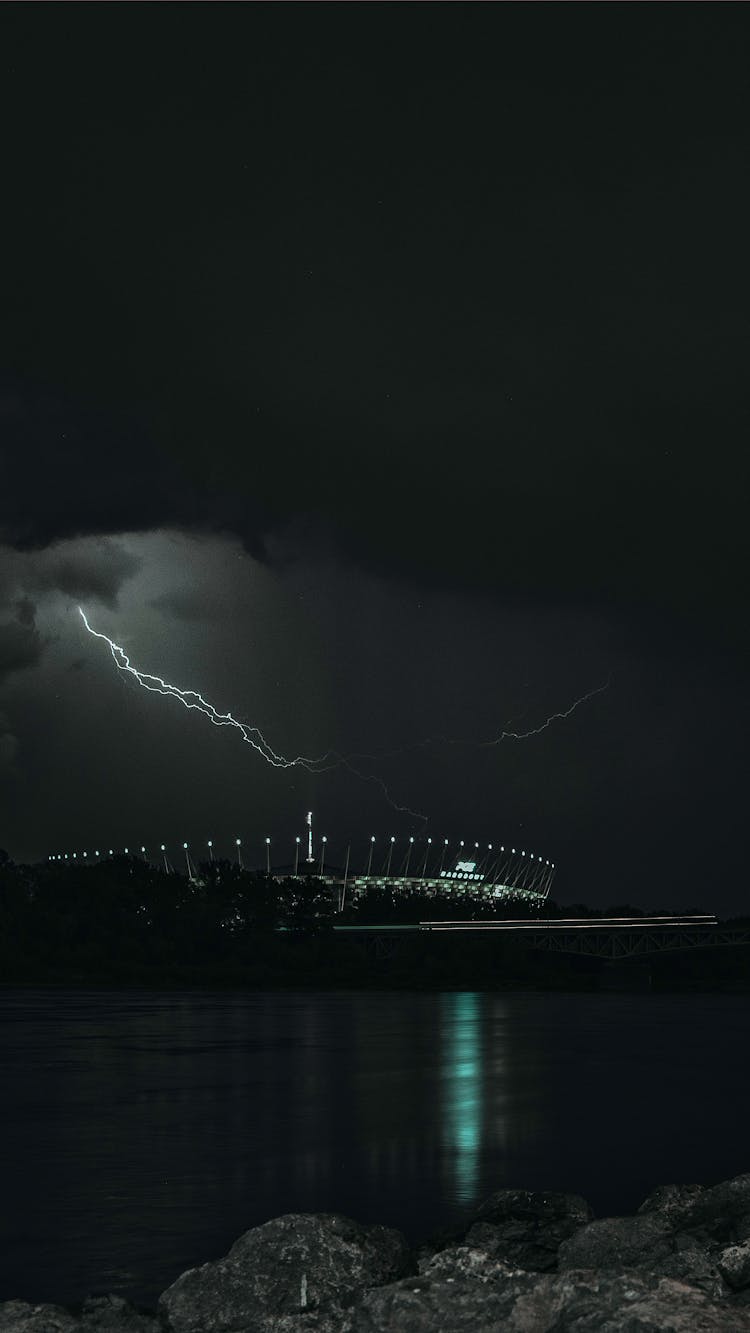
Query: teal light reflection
{"points": [[462, 1089]]}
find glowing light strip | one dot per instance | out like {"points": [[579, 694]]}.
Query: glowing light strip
{"points": [[567, 921]]}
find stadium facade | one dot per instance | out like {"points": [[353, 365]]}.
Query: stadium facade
{"points": [[501, 874]]}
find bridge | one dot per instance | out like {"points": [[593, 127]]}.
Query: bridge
{"points": [[611, 938]]}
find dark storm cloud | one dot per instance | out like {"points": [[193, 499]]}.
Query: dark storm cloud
{"points": [[25, 611], [190, 604], [8, 744], [95, 570], [90, 569], [21, 646], [487, 330]]}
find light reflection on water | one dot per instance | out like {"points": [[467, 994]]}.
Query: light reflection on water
{"points": [[462, 1089], [141, 1133]]}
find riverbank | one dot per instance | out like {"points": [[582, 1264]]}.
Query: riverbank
{"points": [[525, 1261], [429, 962]]}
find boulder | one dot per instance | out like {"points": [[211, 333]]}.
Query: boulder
{"points": [[722, 1210], [445, 1304], [619, 1242], [107, 1314], [524, 1228], [734, 1266], [719, 1212], [113, 1314], [594, 1302], [461, 1261], [690, 1263], [674, 1202], [572, 1302], [292, 1266], [21, 1317]]}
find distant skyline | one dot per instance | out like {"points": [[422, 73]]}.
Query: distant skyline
{"points": [[381, 374]]}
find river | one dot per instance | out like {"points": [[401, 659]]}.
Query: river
{"points": [[142, 1132]]}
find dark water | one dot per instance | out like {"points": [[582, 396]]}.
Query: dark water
{"points": [[141, 1133]]}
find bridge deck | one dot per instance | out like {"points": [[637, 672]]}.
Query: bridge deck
{"points": [[610, 938]]}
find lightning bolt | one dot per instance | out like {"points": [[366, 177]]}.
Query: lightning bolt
{"points": [[482, 745], [192, 700], [553, 717], [332, 759], [253, 736]]}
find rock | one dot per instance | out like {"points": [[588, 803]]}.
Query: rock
{"points": [[525, 1228], [672, 1201], [618, 1242], [113, 1314], [461, 1261], [734, 1266], [593, 1302], [573, 1302], [721, 1210], [20, 1317], [690, 1263], [296, 1264], [457, 1305]]}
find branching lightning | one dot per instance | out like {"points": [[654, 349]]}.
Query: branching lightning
{"points": [[332, 759], [253, 736], [191, 699], [553, 717]]}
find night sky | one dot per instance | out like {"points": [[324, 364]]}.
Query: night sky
{"points": [[381, 372]]}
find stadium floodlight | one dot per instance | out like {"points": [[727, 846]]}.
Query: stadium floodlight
{"points": [[238, 841], [210, 843], [111, 852], [324, 838], [126, 850], [163, 848], [297, 839], [143, 850], [185, 845], [75, 854], [372, 839], [411, 840]]}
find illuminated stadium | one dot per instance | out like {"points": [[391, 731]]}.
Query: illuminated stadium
{"points": [[493, 871]]}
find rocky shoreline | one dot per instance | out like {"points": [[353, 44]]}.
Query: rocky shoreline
{"points": [[525, 1262]]}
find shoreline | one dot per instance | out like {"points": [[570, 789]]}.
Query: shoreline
{"points": [[523, 1260]]}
